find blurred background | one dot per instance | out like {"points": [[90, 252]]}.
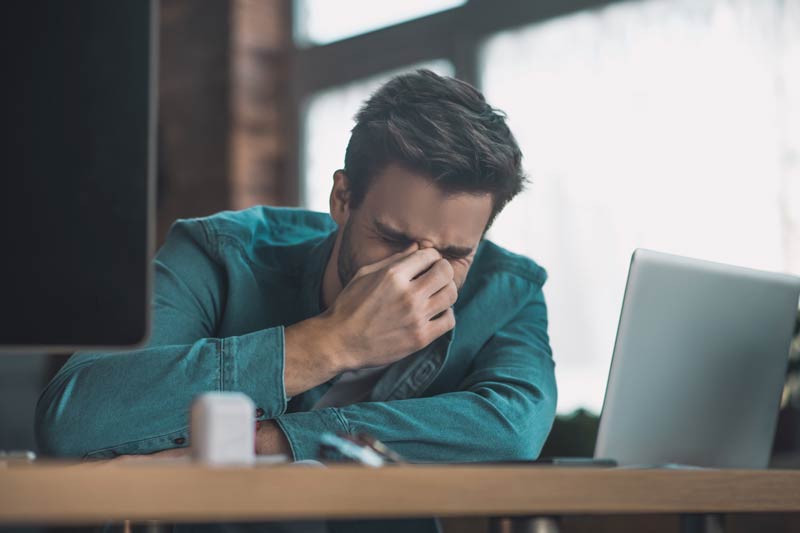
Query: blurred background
{"points": [[666, 124]]}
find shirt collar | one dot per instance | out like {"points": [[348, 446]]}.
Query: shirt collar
{"points": [[313, 272]]}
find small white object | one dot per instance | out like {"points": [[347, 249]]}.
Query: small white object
{"points": [[223, 429]]}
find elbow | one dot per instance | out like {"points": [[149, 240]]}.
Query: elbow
{"points": [[535, 428], [60, 429], [539, 402], [53, 438], [525, 442], [522, 425], [538, 430]]}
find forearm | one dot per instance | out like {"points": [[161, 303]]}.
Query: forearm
{"points": [[488, 424], [138, 401], [106, 400], [462, 426]]}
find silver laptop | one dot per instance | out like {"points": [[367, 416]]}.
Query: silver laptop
{"points": [[699, 364]]}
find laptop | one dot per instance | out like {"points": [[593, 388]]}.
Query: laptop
{"points": [[699, 364]]}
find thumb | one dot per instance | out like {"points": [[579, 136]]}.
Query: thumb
{"points": [[374, 267]]}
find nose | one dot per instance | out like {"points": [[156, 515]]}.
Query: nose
{"points": [[425, 244]]}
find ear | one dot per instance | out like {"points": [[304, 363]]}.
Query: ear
{"points": [[340, 198]]}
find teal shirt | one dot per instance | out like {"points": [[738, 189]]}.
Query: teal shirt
{"points": [[225, 288]]}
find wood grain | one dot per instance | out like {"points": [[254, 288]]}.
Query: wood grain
{"points": [[93, 493]]}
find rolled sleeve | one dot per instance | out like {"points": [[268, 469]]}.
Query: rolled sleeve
{"points": [[254, 364], [104, 403]]}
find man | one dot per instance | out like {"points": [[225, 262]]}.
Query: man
{"points": [[392, 316]]}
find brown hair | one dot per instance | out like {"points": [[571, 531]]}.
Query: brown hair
{"points": [[440, 127]]}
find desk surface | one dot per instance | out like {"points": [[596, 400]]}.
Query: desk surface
{"points": [[91, 493]]}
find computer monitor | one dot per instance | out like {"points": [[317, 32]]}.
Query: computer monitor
{"points": [[699, 364], [76, 195]]}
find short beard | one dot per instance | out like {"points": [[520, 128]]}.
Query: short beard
{"points": [[346, 264]]}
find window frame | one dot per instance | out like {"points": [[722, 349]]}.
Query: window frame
{"points": [[455, 35]]}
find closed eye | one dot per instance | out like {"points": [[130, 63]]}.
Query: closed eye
{"points": [[400, 241], [454, 256], [397, 243]]}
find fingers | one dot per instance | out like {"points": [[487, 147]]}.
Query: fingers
{"points": [[374, 267], [442, 300], [436, 278], [415, 263], [443, 324]]}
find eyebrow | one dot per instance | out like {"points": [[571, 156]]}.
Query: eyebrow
{"points": [[390, 233]]}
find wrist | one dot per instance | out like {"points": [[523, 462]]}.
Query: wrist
{"points": [[312, 354], [271, 440], [323, 337]]}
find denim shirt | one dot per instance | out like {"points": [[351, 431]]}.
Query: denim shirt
{"points": [[225, 288]]}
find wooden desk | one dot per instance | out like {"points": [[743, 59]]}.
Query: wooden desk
{"points": [[94, 493]]}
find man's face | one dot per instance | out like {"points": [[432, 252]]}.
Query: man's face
{"points": [[402, 208]]}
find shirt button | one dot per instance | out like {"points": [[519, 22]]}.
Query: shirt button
{"points": [[259, 412], [179, 440]]}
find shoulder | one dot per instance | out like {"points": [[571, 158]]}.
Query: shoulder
{"points": [[503, 290], [258, 233], [261, 225], [500, 283], [277, 225], [493, 260]]}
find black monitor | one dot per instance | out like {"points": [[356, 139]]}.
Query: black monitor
{"points": [[76, 192]]}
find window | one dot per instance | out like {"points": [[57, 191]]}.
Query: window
{"points": [[667, 125], [325, 21], [327, 122]]}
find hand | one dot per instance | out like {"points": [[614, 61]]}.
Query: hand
{"points": [[389, 310], [393, 308]]}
